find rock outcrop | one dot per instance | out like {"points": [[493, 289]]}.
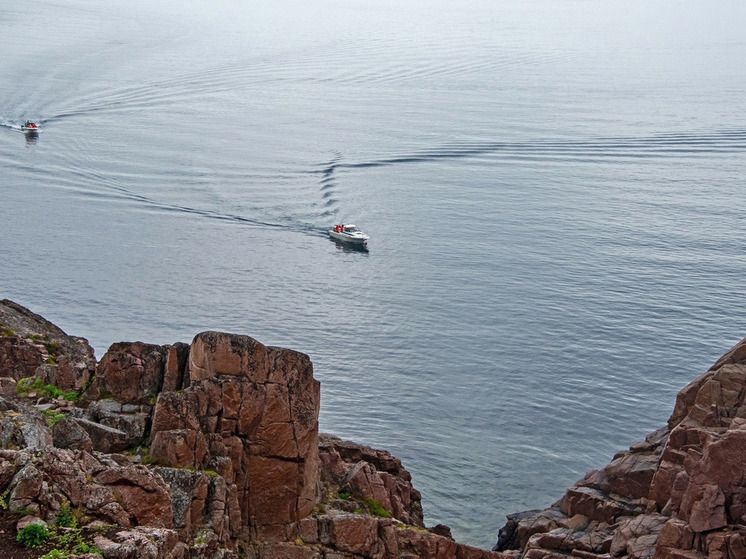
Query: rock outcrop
{"points": [[370, 474], [679, 494], [201, 450], [31, 346], [251, 414], [212, 450]]}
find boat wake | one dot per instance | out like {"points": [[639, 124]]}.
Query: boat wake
{"points": [[328, 186], [660, 146]]}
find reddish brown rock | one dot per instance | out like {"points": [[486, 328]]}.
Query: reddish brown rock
{"points": [[130, 373], [228, 404], [675, 534], [369, 473], [341, 535], [31, 346], [354, 533], [175, 377], [689, 480], [144, 495], [113, 490], [217, 354], [637, 536], [257, 406], [250, 413]]}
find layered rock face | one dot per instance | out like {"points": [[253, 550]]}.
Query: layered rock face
{"points": [[201, 450], [250, 413], [680, 494]]}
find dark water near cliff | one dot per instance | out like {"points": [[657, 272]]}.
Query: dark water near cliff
{"points": [[554, 193]]}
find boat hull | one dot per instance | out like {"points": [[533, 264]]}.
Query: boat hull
{"points": [[347, 238]]}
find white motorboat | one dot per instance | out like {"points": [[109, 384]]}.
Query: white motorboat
{"points": [[349, 234], [29, 127]]}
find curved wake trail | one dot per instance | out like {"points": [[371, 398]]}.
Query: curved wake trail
{"points": [[664, 145]]}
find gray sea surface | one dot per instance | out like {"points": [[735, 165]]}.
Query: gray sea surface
{"points": [[554, 192]]}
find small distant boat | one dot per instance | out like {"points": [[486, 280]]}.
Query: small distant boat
{"points": [[30, 127], [349, 234]]}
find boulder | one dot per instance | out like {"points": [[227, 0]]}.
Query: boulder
{"points": [[142, 543], [522, 525], [67, 433], [133, 420], [105, 439], [130, 373], [637, 536], [200, 505], [31, 346], [22, 427]]}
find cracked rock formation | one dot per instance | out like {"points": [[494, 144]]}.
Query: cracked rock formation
{"points": [[208, 450], [679, 494]]}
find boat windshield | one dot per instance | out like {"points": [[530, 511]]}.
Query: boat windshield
{"points": [[351, 229]]}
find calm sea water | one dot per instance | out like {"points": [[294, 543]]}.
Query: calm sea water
{"points": [[554, 193]]}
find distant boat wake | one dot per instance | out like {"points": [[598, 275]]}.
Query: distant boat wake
{"points": [[663, 145]]}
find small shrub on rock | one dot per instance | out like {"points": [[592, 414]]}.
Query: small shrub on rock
{"points": [[32, 535], [65, 517], [31, 385], [376, 508]]}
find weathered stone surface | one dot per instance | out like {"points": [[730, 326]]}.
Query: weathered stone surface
{"points": [[25, 488], [637, 536], [105, 439], [132, 419], [199, 504], [597, 505], [28, 342], [130, 373], [142, 543], [8, 387], [369, 473], [217, 354], [257, 406], [521, 526], [145, 496], [688, 478], [354, 533], [22, 427], [175, 375], [287, 550], [105, 487], [67, 433]]}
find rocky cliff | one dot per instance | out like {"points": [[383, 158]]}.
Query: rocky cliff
{"points": [[201, 450], [679, 494], [212, 450]]}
